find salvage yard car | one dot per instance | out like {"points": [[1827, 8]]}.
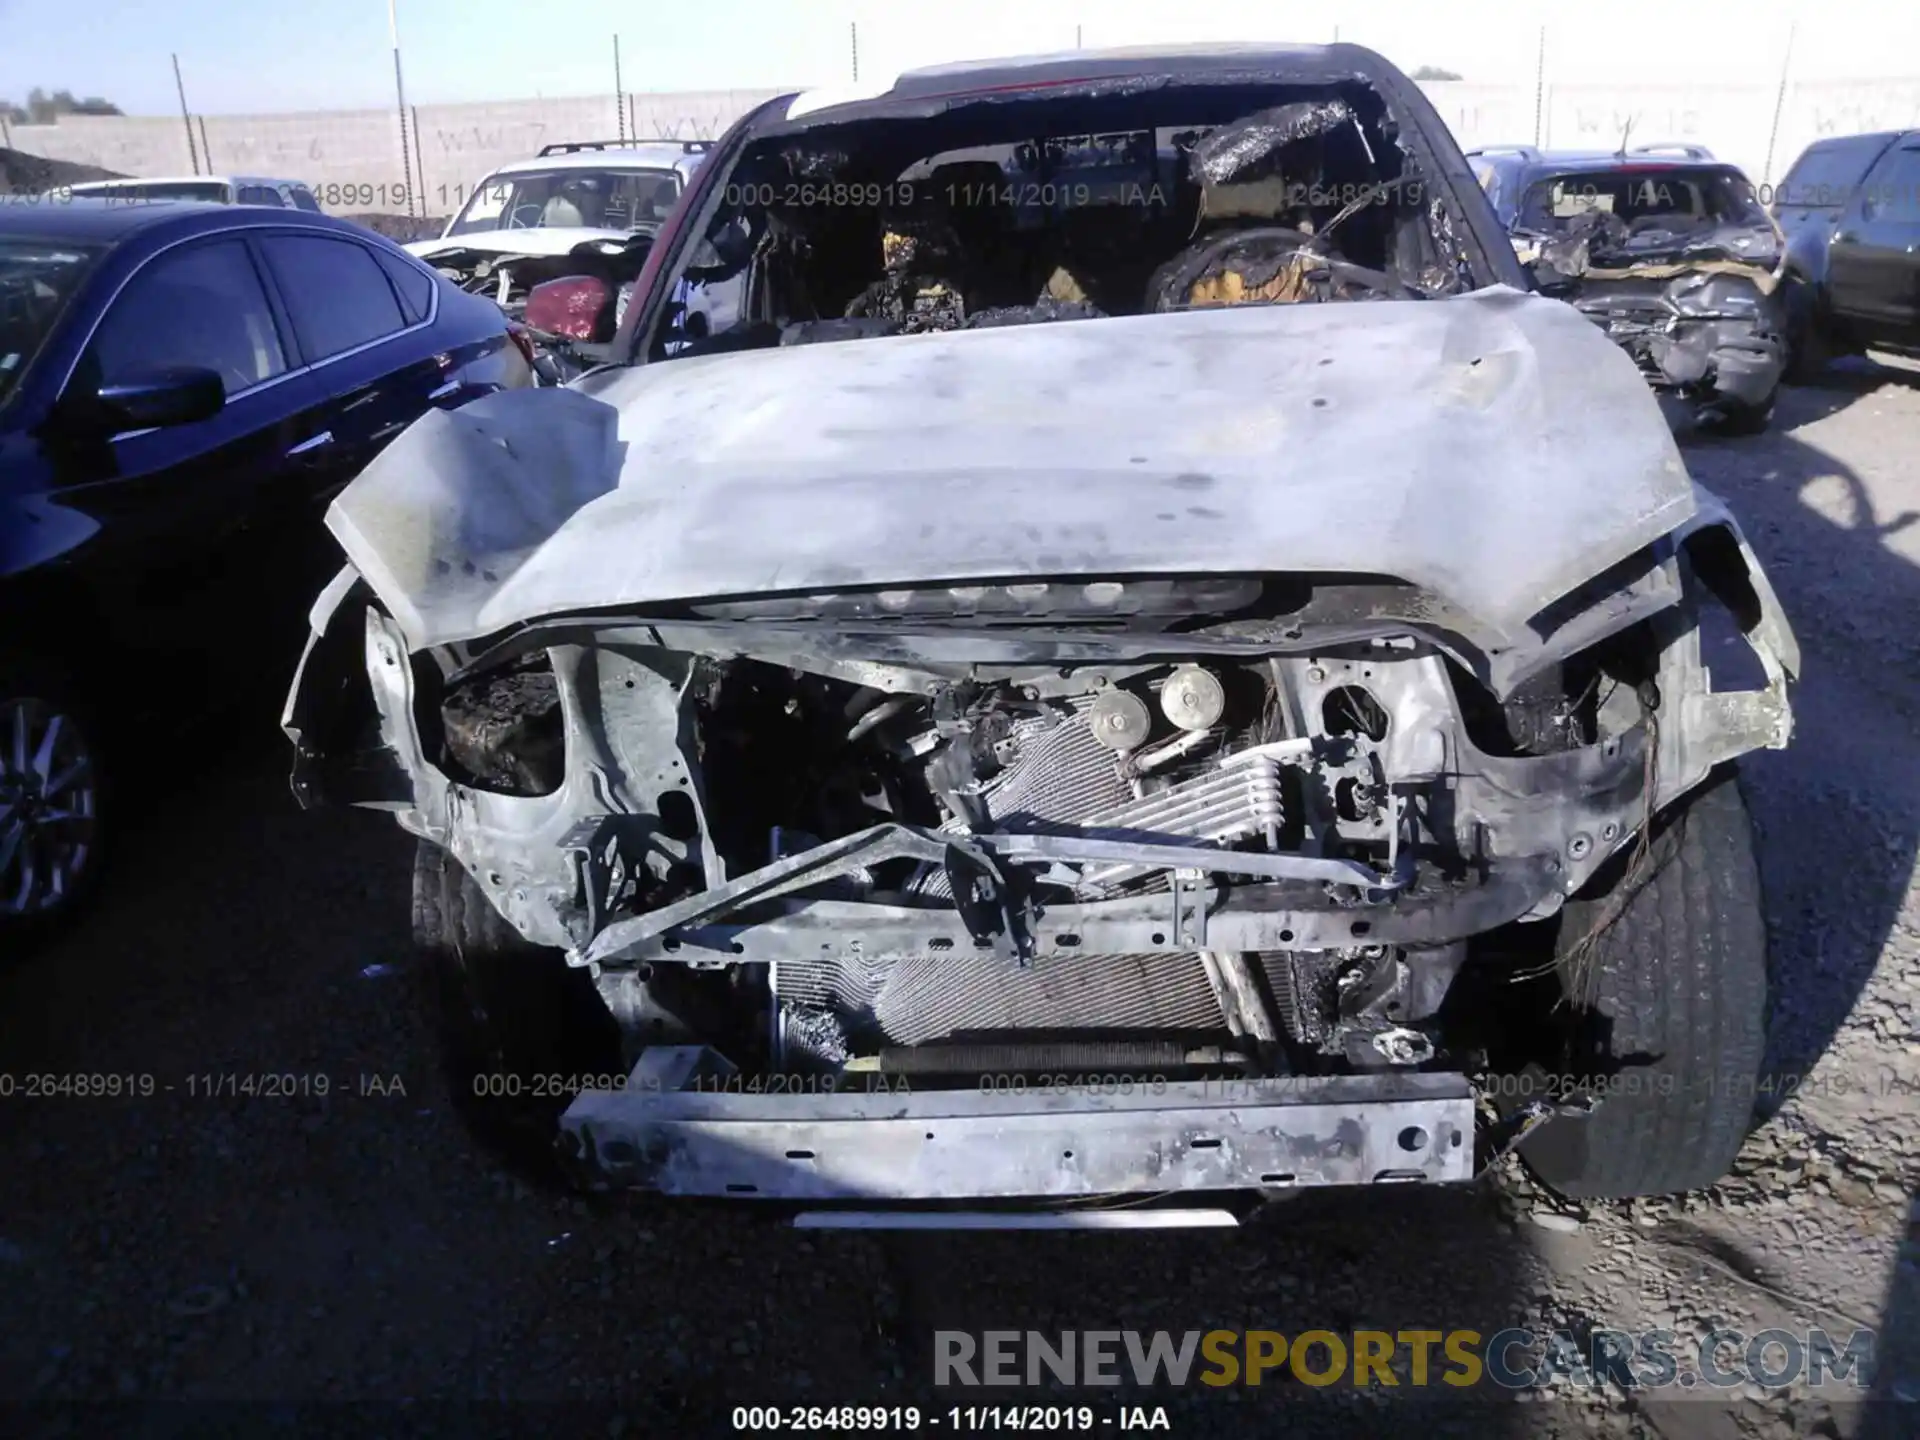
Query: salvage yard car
{"points": [[183, 388], [1139, 664], [217, 189], [558, 240], [1850, 207], [1666, 249]]}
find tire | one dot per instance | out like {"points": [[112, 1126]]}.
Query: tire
{"points": [[1736, 419], [1808, 347], [511, 1017], [1673, 1000], [53, 807]]}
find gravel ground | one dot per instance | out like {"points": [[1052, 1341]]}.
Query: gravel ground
{"points": [[233, 1250]]}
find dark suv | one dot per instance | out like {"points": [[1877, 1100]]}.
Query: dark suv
{"points": [[1850, 209], [1667, 249]]}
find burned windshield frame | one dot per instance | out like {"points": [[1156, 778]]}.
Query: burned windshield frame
{"points": [[785, 208]]}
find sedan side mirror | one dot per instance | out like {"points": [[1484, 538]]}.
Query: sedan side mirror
{"points": [[173, 395]]}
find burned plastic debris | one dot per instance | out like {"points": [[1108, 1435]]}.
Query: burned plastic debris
{"points": [[1271, 264], [817, 332], [503, 730], [1047, 308], [1248, 149]]}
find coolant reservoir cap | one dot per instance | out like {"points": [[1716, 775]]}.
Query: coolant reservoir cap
{"points": [[1193, 698], [1120, 720]]}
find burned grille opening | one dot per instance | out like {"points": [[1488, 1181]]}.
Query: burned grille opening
{"points": [[502, 731]]}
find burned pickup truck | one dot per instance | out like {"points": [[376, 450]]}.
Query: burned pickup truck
{"points": [[1667, 250], [1087, 689]]}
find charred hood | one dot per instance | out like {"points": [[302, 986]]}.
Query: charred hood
{"points": [[1494, 449]]}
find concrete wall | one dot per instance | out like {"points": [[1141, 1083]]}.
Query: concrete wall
{"points": [[1733, 121], [459, 144]]}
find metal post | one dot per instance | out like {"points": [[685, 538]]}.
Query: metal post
{"points": [[179, 85], [1779, 103], [419, 165], [206, 147], [1076, 38], [6, 133], [853, 32], [1539, 85], [620, 110], [400, 97]]}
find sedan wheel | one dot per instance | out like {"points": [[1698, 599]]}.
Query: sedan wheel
{"points": [[49, 796]]}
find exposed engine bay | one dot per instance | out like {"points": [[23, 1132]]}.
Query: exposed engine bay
{"points": [[1159, 755], [837, 858], [1679, 264], [996, 215]]}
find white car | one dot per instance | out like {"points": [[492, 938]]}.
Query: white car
{"points": [[575, 223], [571, 194], [221, 189]]}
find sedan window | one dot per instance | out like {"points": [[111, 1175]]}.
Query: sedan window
{"points": [[200, 305], [36, 279], [260, 195], [414, 284], [338, 294]]}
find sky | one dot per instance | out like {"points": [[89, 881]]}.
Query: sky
{"points": [[245, 58]]}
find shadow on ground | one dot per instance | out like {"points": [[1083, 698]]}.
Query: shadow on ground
{"points": [[1839, 810]]}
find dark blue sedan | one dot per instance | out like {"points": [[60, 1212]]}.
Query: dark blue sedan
{"points": [[183, 388]]}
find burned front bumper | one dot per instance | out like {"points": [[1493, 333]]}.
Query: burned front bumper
{"points": [[1080, 1137], [1714, 337], [1734, 360]]}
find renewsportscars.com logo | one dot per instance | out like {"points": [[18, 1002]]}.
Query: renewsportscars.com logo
{"points": [[1512, 1359]]}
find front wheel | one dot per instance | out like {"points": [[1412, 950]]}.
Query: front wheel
{"points": [[1662, 970], [51, 800], [1809, 347], [1735, 418], [517, 1025]]}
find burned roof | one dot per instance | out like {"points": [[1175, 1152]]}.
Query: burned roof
{"points": [[930, 89]]}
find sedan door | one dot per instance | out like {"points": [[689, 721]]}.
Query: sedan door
{"points": [[1874, 262], [372, 372], [173, 562]]}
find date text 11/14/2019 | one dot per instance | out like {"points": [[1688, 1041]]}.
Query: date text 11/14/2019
{"points": [[210, 1085], [958, 1419]]}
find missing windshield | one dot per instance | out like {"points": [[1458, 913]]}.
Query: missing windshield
{"points": [[1027, 210]]}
